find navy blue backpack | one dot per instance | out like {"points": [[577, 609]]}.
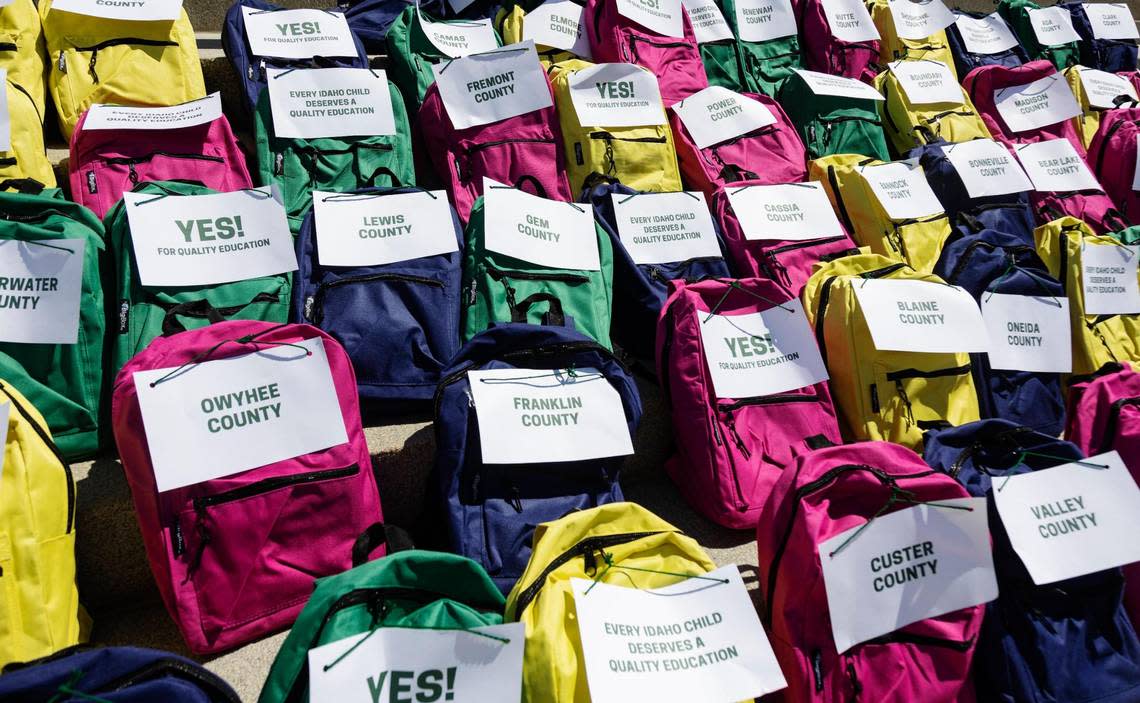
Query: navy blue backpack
{"points": [[370, 19], [1112, 55], [995, 262], [490, 510], [1065, 642], [115, 675], [640, 289], [966, 60]]}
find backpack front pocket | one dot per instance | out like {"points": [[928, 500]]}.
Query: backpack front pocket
{"points": [[114, 175], [638, 157], [511, 162], [530, 295], [846, 134], [117, 71], [910, 401], [675, 62]]}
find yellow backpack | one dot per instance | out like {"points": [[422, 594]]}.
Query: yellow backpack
{"points": [[509, 24], [643, 158], [95, 60], [916, 241], [22, 49], [573, 547], [39, 603], [892, 47], [1097, 339], [908, 125], [27, 157], [886, 395]]}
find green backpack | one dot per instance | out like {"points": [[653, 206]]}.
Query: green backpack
{"points": [[831, 124], [141, 313], [63, 381], [720, 57], [337, 164], [764, 65], [1016, 14], [500, 288], [412, 589]]}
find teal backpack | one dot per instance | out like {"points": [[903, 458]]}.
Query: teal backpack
{"points": [[830, 124], [63, 381], [764, 65]]}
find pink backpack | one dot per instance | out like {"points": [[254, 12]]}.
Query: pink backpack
{"points": [[105, 163], [775, 150], [730, 451], [1133, 78], [984, 81], [675, 61], [235, 558], [822, 494], [826, 53], [787, 263], [515, 151], [1093, 207], [1112, 156]]}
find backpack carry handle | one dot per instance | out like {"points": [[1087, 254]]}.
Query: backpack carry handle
{"points": [[539, 189], [554, 316], [27, 186], [384, 171], [378, 535], [194, 308]]}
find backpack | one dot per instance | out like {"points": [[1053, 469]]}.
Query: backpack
{"points": [[893, 47], [412, 589], [104, 163], [39, 613], [1016, 15], [994, 262], [823, 494], [1020, 652], [1106, 54], [1133, 77], [490, 510], [1112, 156], [64, 381], [915, 241], [720, 57], [764, 65], [966, 60], [115, 675], [144, 313], [1088, 121], [307, 512], [642, 157], [640, 289], [730, 451], [509, 23], [826, 53], [1091, 205], [983, 84], [893, 396], [26, 156], [22, 49], [829, 124], [398, 322], [553, 665], [908, 124], [115, 62]]}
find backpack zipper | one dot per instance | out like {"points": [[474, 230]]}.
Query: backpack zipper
{"points": [[834, 181], [778, 399], [216, 688], [899, 376], [119, 41], [924, 640], [262, 297], [314, 305], [131, 161], [965, 258], [1113, 420], [47, 440], [460, 173], [633, 56], [1107, 136], [968, 453], [612, 137], [771, 260], [655, 274], [825, 296], [28, 95]]}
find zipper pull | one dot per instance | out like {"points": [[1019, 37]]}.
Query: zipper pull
{"points": [[472, 292], [308, 308], [62, 64], [811, 133], [909, 414], [515, 501], [511, 302], [249, 72], [133, 175], [204, 538], [91, 66], [817, 669], [279, 164], [875, 407], [177, 540], [378, 608], [124, 316], [856, 687], [459, 170], [736, 435], [92, 186]]}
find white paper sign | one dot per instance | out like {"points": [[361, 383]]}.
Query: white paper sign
{"points": [[410, 664], [137, 10], [761, 20], [632, 641], [927, 82], [921, 316], [297, 34], [218, 418], [985, 35], [825, 84], [1108, 275], [790, 211], [365, 230], [1102, 87], [40, 287], [1055, 166], [918, 20], [544, 232], [616, 95], [534, 416], [660, 16], [1028, 332], [987, 168], [902, 190], [5, 117], [310, 103], [717, 114], [761, 353], [662, 228], [196, 112], [198, 240], [1111, 20], [1073, 519], [558, 23], [484, 88], [907, 566], [1053, 25], [708, 21], [849, 20], [1043, 102], [460, 38]]}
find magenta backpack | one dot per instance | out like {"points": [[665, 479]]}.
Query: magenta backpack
{"points": [[520, 150], [826, 53], [235, 558], [730, 451], [1133, 78], [823, 494], [983, 82], [1112, 156], [1093, 207], [676, 61], [775, 151], [105, 163]]}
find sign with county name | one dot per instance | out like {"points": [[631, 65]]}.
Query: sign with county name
{"points": [[839, 86], [716, 114], [1072, 519], [1103, 88], [558, 23], [616, 95], [5, 117], [696, 640], [661, 16], [137, 10], [460, 37], [761, 20], [396, 664], [849, 20], [297, 34], [662, 228], [985, 35], [708, 21], [927, 82], [1028, 333], [40, 287], [1108, 276], [1053, 25], [918, 19], [483, 88], [789, 211], [1043, 102], [370, 230], [196, 112], [1055, 166], [535, 416], [1110, 20], [907, 566], [987, 168], [921, 316], [902, 190], [221, 417], [310, 103], [200, 240], [544, 232], [761, 353]]}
